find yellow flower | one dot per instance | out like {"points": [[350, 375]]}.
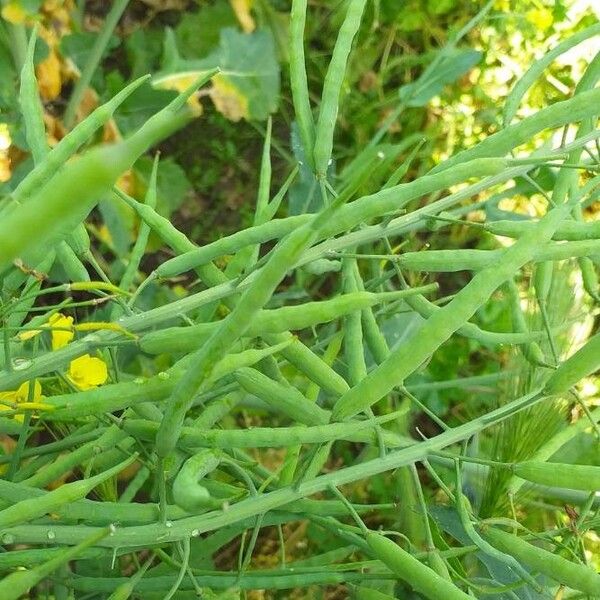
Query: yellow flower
{"points": [[20, 395], [14, 13], [61, 337], [540, 17], [87, 372]]}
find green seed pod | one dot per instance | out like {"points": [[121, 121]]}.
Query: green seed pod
{"points": [[581, 364], [574, 477], [575, 576], [422, 579], [363, 593], [187, 491]]}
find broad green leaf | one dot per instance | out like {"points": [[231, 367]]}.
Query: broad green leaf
{"points": [[248, 85]]}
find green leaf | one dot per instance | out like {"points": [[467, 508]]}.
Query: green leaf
{"points": [[171, 183], [248, 85], [433, 81], [197, 34], [78, 46], [144, 48]]}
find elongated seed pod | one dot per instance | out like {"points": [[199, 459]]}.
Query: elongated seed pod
{"points": [[309, 363], [364, 593], [188, 493], [574, 477], [356, 213], [574, 109], [16, 584], [537, 68], [31, 105], [581, 364], [532, 351], [287, 400], [575, 576], [33, 508], [420, 577], [69, 144], [298, 80], [354, 353], [407, 357], [66, 201], [333, 85], [73, 267], [234, 326], [567, 231], [278, 320], [271, 437]]}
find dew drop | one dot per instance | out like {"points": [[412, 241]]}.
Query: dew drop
{"points": [[380, 155], [50, 535], [20, 364], [139, 380], [169, 524], [195, 533], [164, 375]]}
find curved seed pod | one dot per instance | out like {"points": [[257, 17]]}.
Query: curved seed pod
{"points": [[575, 576], [187, 491]]}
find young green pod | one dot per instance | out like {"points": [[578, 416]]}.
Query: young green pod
{"points": [[187, 491], [333, 85], [15, 585], [422, 579], [532, 351], [364, 593], [285, 399], [575, 576], [581, 364], [277, 320], [574, 477], [33, 508]]}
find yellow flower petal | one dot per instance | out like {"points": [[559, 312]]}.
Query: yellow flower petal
{"points": [[48, 76], [61, 338], [87, 372], [14, 13], [228, 100], [241, 8], [542, 18], [22, 394]]}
